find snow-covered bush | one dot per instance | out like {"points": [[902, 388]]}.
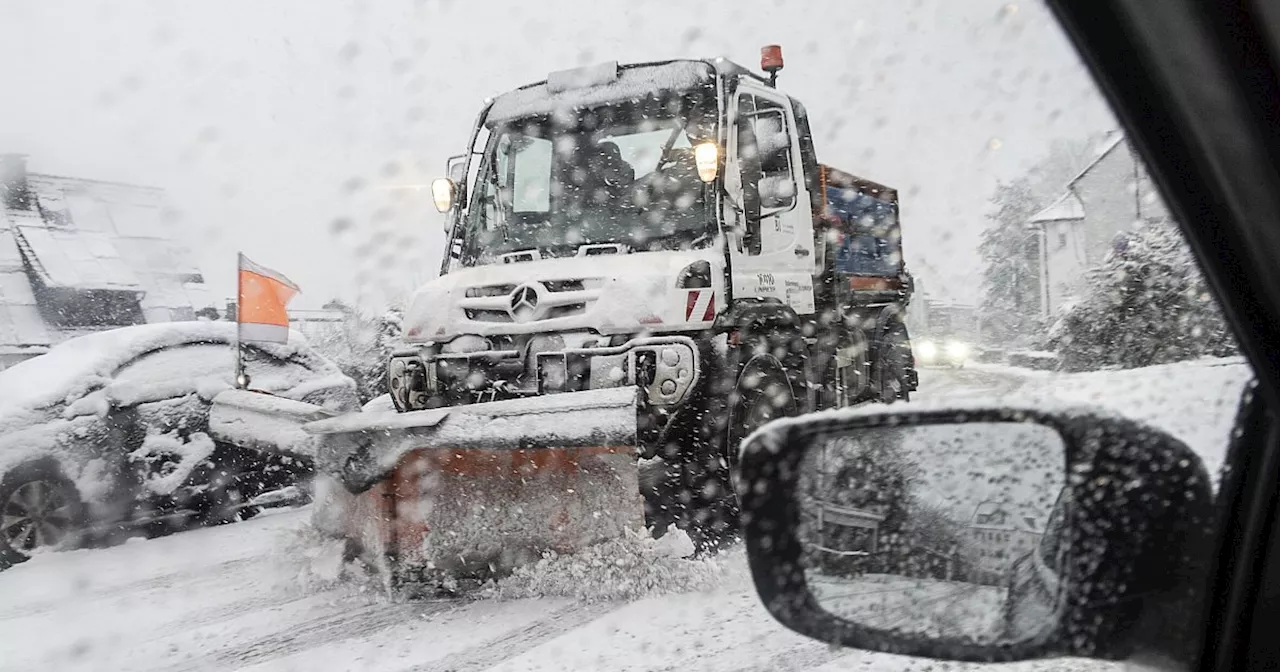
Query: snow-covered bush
{"points": [[1146, 304], [361, 348]]}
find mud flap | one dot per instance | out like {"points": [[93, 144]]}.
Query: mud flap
{"points": [[475, 491]]}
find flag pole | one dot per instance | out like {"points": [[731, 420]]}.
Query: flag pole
{"points": [[241, 381]]}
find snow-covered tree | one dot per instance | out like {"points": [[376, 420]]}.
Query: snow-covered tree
{"points": [[1010, 248], [1146, 304], [1010, 252]]}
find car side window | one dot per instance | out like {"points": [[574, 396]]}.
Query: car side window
{"points": [[179, 370], [1051, 541], [271, 373]]}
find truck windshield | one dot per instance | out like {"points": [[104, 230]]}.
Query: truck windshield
{"points": [[621, 173]]}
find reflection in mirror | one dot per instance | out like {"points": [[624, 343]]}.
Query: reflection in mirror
{"points": [[950, 530], [456, 169]]}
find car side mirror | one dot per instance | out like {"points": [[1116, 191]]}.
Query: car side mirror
{"points": [[984, 534]]}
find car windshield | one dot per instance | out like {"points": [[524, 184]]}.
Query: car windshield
{"points": [[619, 174], [426, 335]]}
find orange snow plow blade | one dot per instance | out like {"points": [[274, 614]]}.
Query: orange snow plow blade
{"points": [[487, 487]]}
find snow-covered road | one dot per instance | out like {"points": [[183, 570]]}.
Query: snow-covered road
{"points": [[251, 596]]}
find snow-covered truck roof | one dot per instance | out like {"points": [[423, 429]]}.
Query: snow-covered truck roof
{"points": [[600, 84], [49, 378]]}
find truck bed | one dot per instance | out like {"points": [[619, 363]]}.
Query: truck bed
{"points": [[866, 254]]}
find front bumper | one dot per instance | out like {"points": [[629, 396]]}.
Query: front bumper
{"points": [[665, 368]]}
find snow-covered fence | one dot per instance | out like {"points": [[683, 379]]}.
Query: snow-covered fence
{"points": [[1035, 359]]}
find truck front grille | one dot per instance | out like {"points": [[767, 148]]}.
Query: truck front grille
{"points": [[556, 299], [481, 315]]}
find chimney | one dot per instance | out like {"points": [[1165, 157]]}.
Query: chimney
{"points": [[14, 191]]}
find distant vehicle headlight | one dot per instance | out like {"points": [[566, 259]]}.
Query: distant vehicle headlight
{"points": [[957, 350], [926, 350]]}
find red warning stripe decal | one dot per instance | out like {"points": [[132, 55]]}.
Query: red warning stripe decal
{"points": [[700, 302]]}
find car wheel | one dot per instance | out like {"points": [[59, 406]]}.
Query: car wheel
{"points": [[39, 509]]}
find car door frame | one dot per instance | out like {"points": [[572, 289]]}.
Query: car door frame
{"points": [[1196, 86]]}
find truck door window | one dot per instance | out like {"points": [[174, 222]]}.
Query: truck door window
{"points": [[773, 142]]}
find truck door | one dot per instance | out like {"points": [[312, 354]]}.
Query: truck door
{"points": [[772, 257]]}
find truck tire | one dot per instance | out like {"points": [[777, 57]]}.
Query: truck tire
{"points": [[763, 393], [889, 374]]}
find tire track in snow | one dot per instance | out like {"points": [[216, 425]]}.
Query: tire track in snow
{"points": [[511, 644], [344, 623], [942, 384], [167, 581]]}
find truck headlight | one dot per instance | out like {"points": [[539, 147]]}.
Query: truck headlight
{"points": [[926, 351]]}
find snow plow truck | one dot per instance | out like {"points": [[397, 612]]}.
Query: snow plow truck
{"points": [[644, 263]]}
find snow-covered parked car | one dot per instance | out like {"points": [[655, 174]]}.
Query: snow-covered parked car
{"points": [[110, 432]]}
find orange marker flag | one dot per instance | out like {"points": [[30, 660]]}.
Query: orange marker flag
{"points": [[260, 308]]}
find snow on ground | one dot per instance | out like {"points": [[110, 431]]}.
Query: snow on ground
{"points": [[628, 568], [931, 607], [264, 594]]}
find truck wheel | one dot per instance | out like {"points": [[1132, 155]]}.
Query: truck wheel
{"points": [[888, 377], [39, 509], [763, 393]]}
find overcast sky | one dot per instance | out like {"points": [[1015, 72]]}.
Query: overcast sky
{"points": [[273, 123]]}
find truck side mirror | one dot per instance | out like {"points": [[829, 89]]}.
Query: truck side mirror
{"points": [[750, 169], [456, 170]]}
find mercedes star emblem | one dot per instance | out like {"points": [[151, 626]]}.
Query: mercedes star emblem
{"points": [[524, 303]]}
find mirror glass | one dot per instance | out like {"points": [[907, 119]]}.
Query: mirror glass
{"points": [[456, 169], [945, 530]]}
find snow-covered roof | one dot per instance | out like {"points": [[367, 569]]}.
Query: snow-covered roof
{"points": [[997, 515], [47, 379], [1068, 206], [72, 259], [89, 235], [105, 224], [632, 82], [21, 325], [1113, 140]]}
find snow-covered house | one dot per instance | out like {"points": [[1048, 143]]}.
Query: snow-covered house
{"points": [[80, 255], [1110, 195], [997, 536]]}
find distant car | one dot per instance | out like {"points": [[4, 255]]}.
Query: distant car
{"points": [[108, 433], [953, 352]]}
